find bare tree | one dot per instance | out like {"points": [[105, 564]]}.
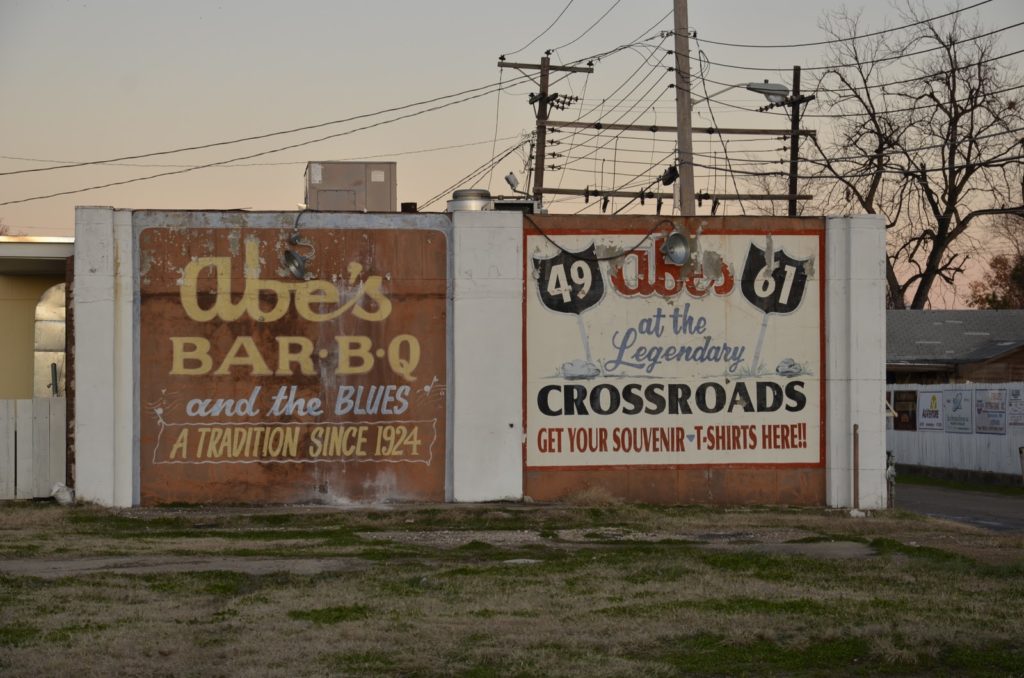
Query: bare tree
{"points": [[927, 130]]}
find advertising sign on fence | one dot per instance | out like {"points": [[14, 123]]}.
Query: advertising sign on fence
{"points": [[929, 411], [905, 404], [634, 361], [956, 408], [1015, 406], [990, 410], [286, 364]]}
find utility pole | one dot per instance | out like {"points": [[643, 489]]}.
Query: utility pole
{"points": [[796, 100], [542, 99], [684, 138], [542, 128]]}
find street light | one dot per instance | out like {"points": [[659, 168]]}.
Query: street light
{"points": [[773, 91]]}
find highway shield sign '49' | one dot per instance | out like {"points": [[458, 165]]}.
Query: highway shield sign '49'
{"points": [[570, 282]]}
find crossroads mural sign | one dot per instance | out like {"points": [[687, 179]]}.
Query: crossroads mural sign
{"points": [[634, 361]]}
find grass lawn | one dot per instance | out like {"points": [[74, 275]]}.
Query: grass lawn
{"points": [[505, 589]]}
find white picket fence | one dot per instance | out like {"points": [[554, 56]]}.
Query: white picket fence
{"points": [[33, 452]]}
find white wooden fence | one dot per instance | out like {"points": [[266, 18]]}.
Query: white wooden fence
{"points": [[33, 453], [986, 435]]}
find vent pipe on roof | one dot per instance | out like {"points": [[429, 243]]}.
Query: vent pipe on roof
{"points": [[470, 200]]}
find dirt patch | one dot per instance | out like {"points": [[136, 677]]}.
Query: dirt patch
{"points": [[830, 549], [448, 539], [76, 567]]}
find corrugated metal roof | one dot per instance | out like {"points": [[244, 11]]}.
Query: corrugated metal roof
{"points": [[951, 337]]}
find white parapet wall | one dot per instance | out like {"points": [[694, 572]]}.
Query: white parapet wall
{"points": [[488, 406], [855, 371], [485, 396], [105, 458]]}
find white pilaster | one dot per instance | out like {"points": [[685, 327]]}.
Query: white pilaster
{"points": [[488, 356], [855, 371], [104, 382]]}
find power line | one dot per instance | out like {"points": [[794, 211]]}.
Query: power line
{"points": [[542, 33], [932, 147], [921, 78], [721, 139], [274, 164], [494, 160], [629, 184], [995, 162], [840, 40], [866, 62], [627, 112], [515, 82], [258, 136], [245, 157], [497, 114], [580, 36], [908, 109], [489, 89]]}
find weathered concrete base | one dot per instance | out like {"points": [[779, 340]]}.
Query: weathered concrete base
{"points": [[716, 485]]}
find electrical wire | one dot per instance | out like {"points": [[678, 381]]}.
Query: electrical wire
{"points": [[654, 67], [262, 136], [627, 184], [866, 62], [580, 257], [274, 164], [855, 37], [497, 115], [229, 161], [919, 78], [494, 160], [721, 139], [655, 84], [542, 33], [245, 157], [932, 147], [592, 26]]}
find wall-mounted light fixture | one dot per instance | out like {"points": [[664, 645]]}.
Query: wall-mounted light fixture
{"points": [[296, 263], [677, 248]]}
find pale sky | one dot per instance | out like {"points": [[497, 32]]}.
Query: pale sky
{"points": [[98, 79]]}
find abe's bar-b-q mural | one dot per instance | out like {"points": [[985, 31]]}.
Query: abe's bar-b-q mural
{"points": [[285, 363], [636, 364]]}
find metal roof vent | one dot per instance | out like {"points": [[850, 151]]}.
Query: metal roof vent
{"points": [[470, 200]]}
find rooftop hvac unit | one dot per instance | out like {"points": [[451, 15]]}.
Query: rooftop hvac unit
{"points": [[524, 205], [352, 186]]}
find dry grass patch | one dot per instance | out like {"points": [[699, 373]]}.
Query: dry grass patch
{"points": [[596, 590]]}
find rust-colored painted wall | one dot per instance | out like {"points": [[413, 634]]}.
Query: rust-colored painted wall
{"points": [[367, 341]]}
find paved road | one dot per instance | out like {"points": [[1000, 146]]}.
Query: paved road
{"points": [[1000, 512]]}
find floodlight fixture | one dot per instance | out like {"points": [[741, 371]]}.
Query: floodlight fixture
{"points": [[295, 262], [677, 248]]}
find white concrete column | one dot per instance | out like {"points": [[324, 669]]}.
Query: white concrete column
{"points": [[104, 357], [487, 435], [855, 368]]}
